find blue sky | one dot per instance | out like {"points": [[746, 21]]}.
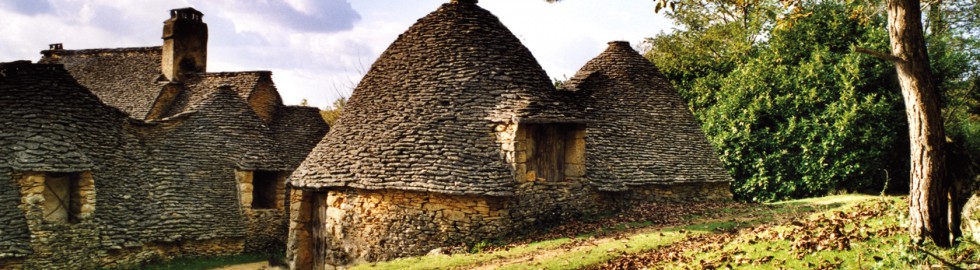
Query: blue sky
{"points": [[317, 49]]}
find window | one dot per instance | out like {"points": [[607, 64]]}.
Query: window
{"points": [[62, 199], [265, 189], [555, 152]]}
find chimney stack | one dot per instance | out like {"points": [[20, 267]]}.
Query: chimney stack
{"points": [[185, 44], [619, 43]]}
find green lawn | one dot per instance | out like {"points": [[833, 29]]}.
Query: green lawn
{"points": [[833, 232], [201, 263]]}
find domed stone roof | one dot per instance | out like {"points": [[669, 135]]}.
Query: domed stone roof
{"points": [[644, 132], [423, 117]]}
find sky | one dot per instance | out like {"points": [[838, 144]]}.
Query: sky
{"points": [[317, 49]]}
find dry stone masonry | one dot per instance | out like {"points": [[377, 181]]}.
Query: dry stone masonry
{"points": [[109, 157], [456, 135], [114, 157]]}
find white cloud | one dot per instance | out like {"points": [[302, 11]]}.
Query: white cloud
{"points": [[271, 17], [317, 49]]}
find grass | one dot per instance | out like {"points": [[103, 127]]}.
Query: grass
{"points": [[757, 241], [869, 253], [458, 260], [201, 263], [833, 232]]}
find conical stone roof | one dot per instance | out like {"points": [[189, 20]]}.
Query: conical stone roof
{"points": [[645, 134], [423, 117]]}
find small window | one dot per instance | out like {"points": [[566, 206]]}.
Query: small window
{"points": [[265, 189], [62, 200]]}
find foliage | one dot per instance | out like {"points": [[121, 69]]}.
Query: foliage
{"points": [[798, 114], [954, 28], [332, 113]]}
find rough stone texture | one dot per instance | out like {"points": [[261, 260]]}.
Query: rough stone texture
{"points": [[266, 227], [356, 225], [11, 264], [185, 44], [457, 135], [164, 183], [255, 87], [970, 224], [43, 105], [643, 132], [54, 242], [423, 117], [297, 129], [340, 227], [126, 78], [15, 237]]}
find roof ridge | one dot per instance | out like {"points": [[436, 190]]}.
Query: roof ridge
{"points": [[102, 50]]}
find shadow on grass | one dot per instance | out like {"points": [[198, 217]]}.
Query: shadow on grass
{"points": [[199, 263]]}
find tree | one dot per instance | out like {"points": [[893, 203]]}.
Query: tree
{"points": [[928, 195], [332, 113], [796, 114]]}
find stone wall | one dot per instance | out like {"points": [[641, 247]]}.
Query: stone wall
{"points": [[356, 225], [264, 99], [79, 244], [679, 192], [11, 264], [362, 225], [59, 243], [147, 190], [266, 227]]}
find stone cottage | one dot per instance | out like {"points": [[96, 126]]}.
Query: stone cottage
{"points": [[114, 157], [456, 134]]}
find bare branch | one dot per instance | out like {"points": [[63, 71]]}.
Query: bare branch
{"points": [[880, 55]]}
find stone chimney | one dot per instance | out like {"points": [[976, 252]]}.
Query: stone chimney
{"points": [[185, 44], [620, 44]]}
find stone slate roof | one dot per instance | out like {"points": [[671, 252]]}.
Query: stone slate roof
{"points": [[15, 238], [644, 133], [192, 160], [297, 129], [125, 78], [199, 86], [161, 180], [423, 117], [43, 108]]}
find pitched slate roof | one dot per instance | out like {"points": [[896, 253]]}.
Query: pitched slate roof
{"points": [[125, 78], [161, 180], [51, 141], [423, 117], [201, 85], [51, 123], [193, 157], [297, 129], [644, 133]]}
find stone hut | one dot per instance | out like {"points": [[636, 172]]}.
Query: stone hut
{"points": [[457, 135], [110, 157]]}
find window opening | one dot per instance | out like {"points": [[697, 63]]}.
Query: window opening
{"points": [[62, 200], [265, 188]]}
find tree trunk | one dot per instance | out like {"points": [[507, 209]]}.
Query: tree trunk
{"points": [[928, 194]]}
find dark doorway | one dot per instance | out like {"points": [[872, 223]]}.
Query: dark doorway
{"points": [[552, 147]]}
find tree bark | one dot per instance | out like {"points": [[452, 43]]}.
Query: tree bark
{"points": [[928, 194]]}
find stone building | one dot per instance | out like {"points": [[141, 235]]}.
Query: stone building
{"points": [[457, 135], [114, 157]]}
